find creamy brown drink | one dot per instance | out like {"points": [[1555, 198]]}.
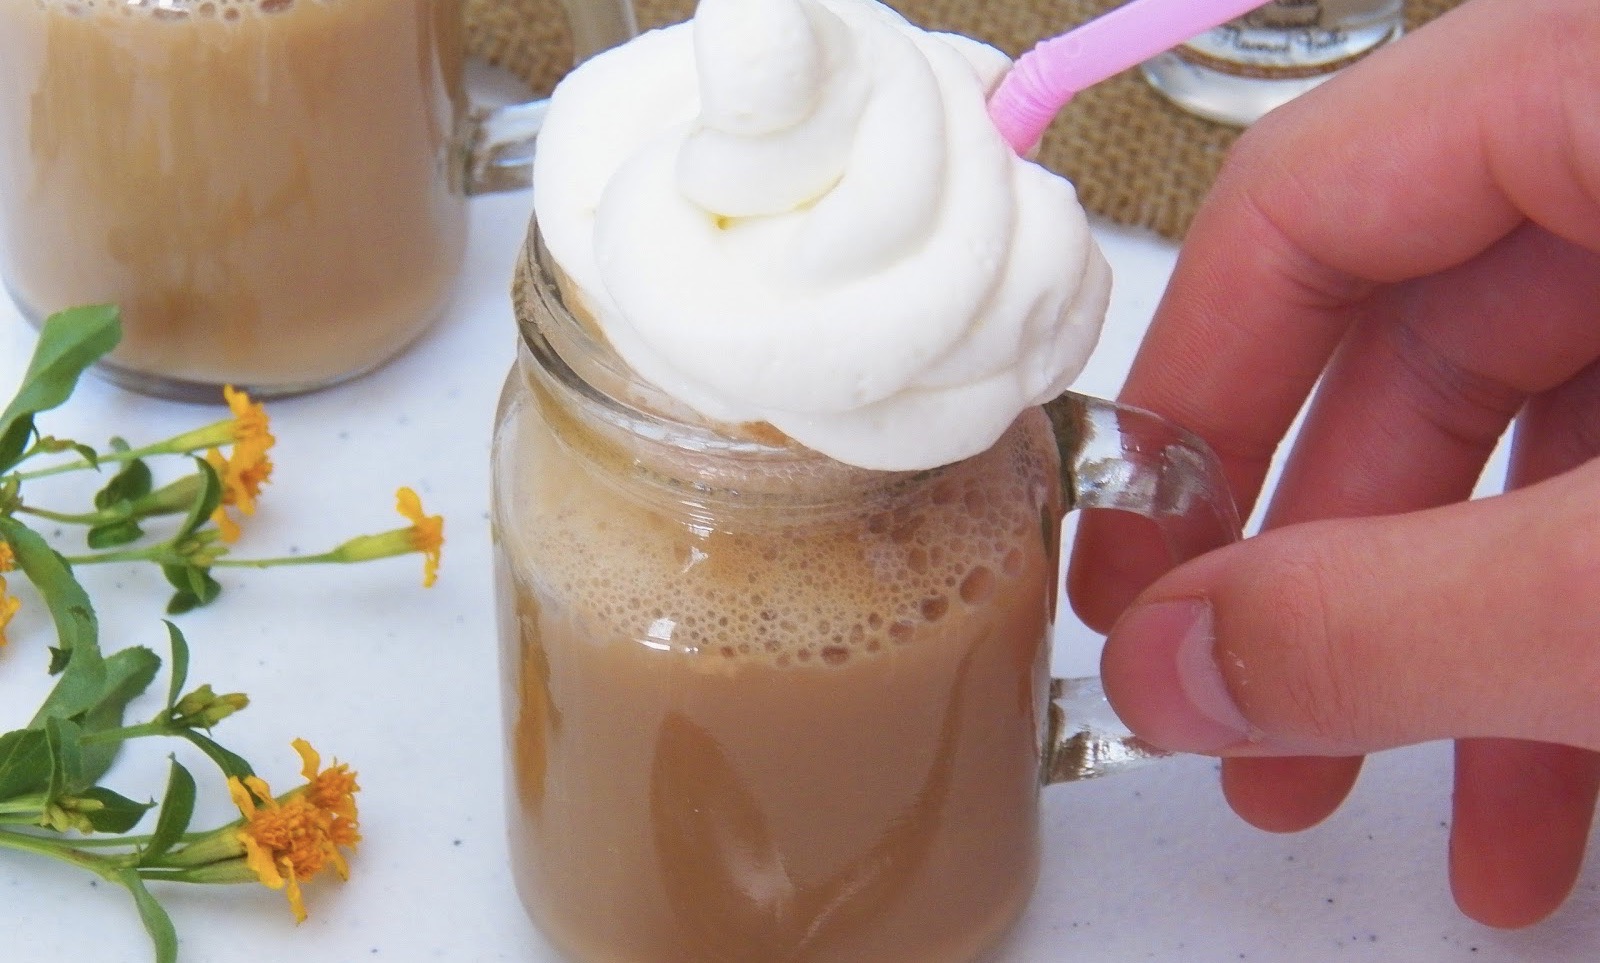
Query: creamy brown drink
{"points": [[761, 704], [763, 707], [777, 484], [776, 532], [264, 186]]}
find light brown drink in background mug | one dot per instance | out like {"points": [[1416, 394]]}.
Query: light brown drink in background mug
{"points": [[274, 191]]}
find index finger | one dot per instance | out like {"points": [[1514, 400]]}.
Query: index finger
{"points": [[1415, 160]]}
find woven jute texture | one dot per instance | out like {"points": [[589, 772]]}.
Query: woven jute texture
{"points": [[1136, 158]]}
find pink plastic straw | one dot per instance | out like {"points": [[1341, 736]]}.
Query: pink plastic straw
{"points": [[1046, 77]]}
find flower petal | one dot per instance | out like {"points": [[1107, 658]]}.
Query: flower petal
{"points": [[310, 762]]}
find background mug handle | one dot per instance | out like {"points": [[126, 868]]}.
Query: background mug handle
{"points": [[498, 145], [1116, 456]]}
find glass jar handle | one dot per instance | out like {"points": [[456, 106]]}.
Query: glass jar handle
{"points": [[499, 141], [1115, 456]]}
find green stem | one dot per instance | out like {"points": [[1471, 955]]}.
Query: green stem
{"points": [[104, 867], [127, 732], [84, 463], [162, 874], [98, 842], [162, 555], [88, 518], [159, 554], [324, 558]]}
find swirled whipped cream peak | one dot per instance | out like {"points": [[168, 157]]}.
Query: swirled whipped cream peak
{"points": [[798, 212]]}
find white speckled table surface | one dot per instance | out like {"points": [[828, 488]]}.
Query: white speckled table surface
{"points": [[403, 684]]}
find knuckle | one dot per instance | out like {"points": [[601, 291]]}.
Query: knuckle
{"points": [[1461, 403], [1306, 683]]}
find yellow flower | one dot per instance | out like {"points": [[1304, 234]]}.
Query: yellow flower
{"points": [[246, 468], [330, 790], [291, 839], [8, 607], [242, 477], [8, 604], [250, 422], [427, 533]]}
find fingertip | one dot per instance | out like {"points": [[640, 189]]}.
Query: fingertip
{"points": [[1160, 671], [1288, 794], [1505, 901], [1523, 812]]}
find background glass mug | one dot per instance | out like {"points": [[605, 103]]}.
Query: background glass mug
{"points": [[763, 706], [1237, 72], [272, 190]]}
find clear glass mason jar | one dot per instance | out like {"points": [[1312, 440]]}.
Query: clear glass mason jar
{"points": [[761, 705]]}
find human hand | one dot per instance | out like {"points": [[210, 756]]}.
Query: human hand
{"points": [[1422, 234]]}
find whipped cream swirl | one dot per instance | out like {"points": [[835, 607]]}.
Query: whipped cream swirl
{"points": [[798, 212]]}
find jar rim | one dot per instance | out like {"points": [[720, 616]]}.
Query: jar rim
{"points": [[739, 461], [578, 356]]}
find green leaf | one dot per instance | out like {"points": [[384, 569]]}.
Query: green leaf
{"points": [[195, 587], [82, 679], [177, 808], [116, 812], [178, 670], [133, 482], [69, 342], [114, 534], [230, 762], [50, 445], [24, 763], [116, 501], [65, 739], [157, 923], [210, 498], [94, 692], [60, 658], [95, 696], [129, 673], [70, 608]]}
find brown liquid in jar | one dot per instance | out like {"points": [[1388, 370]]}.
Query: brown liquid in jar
{"points": [[763, 738]]}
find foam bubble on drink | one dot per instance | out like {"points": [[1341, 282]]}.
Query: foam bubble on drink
{"points": [[818, 595]]}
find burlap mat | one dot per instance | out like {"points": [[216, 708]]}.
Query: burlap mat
{"points": [[1135, 157]]}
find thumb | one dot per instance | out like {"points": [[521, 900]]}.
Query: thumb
{"points": [[1342, 637]]}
